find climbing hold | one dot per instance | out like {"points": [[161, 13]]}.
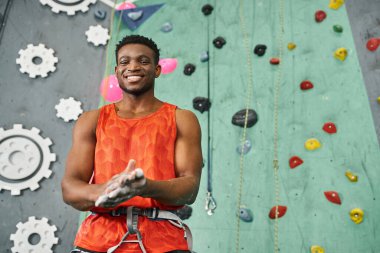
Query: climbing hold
{"points": [[219, 42], [201, 104], [207, 9], [244, 147], [338, 28], [274, 61], [110, 89], [239, 118], [316, 249], [351, 176], [312, 144], [306, 85], [320, 16], [245, 214], [204, 56], [168, 65], [100, 14], [185, 212], [189, 69], [281, 210], [260, 49], [373, 44], [329, 128], [125, 6], [335, 4], [333, 197], [291, 46], [378, 100], [295, 161], [135, 17], [166, 27], [357, 215], [340, 54]]}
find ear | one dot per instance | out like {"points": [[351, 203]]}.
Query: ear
{"points": [[115, 69], [158, 70]]}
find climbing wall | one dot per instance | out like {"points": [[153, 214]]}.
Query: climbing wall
{"points": [[317, 189]]}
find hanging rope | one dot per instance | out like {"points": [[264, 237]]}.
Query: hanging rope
{"points": [[247, 103], [277, 84]]}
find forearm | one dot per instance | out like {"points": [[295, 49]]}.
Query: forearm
{"points": [[79, 194], [177, 191]]}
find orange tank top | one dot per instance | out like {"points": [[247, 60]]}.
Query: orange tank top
{"points": [[149, 140]]}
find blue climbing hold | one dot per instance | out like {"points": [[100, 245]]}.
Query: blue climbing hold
{"points": [[245, 214], [166, 27], [100, 14]]}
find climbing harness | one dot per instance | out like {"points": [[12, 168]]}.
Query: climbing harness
{"points": [[132, 214]]}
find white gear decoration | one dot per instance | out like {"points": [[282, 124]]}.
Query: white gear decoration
{"points": [[31, 52], [68, 6], [97, 35], [24, 159], [34, 226], [68, 109]]}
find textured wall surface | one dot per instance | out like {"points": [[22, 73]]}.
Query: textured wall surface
{"points": [[339, 96]]}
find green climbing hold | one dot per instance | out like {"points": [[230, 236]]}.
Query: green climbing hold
{"points": [[338, 28]]}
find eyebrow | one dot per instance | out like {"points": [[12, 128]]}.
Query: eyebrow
{"points": [[139, 56]]}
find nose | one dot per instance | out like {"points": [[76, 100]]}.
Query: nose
{"points": [[133, 66]]}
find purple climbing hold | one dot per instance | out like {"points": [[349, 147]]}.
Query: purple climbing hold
{"points": [[239, 118], [201, 104], [189, 69]]}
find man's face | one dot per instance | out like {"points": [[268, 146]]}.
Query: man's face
{"points": [[136, 69]]}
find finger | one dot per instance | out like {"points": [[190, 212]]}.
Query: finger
{"points": [[131, 166], [101, 200]]}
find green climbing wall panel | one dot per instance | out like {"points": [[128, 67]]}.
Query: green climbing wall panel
{"points": [[338, 96]]}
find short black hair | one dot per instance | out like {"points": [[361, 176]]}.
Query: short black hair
{"points": [[138, 39]]}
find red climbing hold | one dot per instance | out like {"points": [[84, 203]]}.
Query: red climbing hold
{"points": [[306, 85], [275, 61], [320, 16], [295, 161], [333, 197], [281, 212], [373, 44], [329, 128]]}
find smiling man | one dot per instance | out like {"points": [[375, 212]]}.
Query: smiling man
{"points": [[134, 162]]}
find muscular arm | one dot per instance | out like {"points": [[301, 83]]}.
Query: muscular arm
{"points": [[76, 189]]}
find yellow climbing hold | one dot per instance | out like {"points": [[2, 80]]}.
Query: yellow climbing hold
{"points": [[357, 215], [351, 176], [335, 4], [291, 46], [378, 100], [312, 144], [316, 249], [340, 54]]}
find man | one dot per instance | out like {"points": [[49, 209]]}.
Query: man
{"points": [[142, 158]]}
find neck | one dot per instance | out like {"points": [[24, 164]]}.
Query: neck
{"points": [[141, 103]]}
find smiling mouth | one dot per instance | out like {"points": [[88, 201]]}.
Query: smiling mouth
{"points": [[134, 78]]}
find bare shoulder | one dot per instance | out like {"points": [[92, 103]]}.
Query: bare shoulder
{"points": [[87, 121], [187, 122]]}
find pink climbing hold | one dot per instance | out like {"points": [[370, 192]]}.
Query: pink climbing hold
{"points": [[124, 6], [281, 210], [329, 128], [168, 65], [373, 44], [110, 89], [320, 16], [333, 197]]}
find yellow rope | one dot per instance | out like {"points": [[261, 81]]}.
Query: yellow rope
{"points": [[247, 102]]}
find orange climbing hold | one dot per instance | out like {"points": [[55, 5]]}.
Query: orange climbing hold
{"points": [[274, 61]]}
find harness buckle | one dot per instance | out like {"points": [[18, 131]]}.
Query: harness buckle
{"points": [[152, 213], [115, 213]]}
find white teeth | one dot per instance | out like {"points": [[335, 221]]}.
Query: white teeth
{"points": [[134, 78]]}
